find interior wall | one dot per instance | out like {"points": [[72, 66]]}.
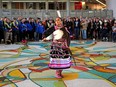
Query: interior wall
{"points": [[94, 6]]}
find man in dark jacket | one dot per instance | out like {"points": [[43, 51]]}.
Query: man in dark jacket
{"points": [[1, 30], [77, 27]]}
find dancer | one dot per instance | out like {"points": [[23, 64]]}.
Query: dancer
{"points": [[60, 56]]}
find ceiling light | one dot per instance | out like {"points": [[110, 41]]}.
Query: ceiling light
{"points": [[101, 2]]}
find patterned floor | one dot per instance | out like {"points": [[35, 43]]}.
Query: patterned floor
{"points": [[94, 65]]}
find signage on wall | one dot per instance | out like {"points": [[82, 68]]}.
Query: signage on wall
{"points": [[78, 5]]}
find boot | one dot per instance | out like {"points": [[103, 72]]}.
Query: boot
{"points": [[58, 74], [61, 73]]}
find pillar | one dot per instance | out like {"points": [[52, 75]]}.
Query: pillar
{"points": [[46, 5], [1, 8], [9, 5], [111, 6], [1, 4], [24, 5], [37, 6], [68, 7]]}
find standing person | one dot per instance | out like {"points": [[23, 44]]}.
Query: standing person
{"points": [[60, 57], [90, 29], [23, 27], [19, 27], [29, 29], [77, 27], [15, 30], [97, 29], [33, 24], [105, 31], [39, 31], [50, 23], [93, 28], [8, 31], [114, 33], [69, 25], [84, 29], [1, 30], [50, 28]]}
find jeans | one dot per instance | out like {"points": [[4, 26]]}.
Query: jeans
{"points": [[77, 33], [84, 34], [114, 36], [36, 36]]}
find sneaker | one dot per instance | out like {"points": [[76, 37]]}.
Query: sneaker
{"points": [[93, 39], [106, 39]]}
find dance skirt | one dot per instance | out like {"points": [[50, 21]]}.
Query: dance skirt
{"points": [[60, 57]]}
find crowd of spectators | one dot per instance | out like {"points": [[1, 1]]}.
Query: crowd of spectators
{"points": [[19, 29]]}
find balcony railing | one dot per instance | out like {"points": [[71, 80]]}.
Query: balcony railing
{"points": [[52, 13]]}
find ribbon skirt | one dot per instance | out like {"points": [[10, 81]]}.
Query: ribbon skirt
{"points": [[60, 57]]}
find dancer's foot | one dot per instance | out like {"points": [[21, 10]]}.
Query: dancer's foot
{"points": [[58, 74], [61, 73]]}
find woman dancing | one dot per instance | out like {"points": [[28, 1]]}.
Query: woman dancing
{"points": [[60, 54]]}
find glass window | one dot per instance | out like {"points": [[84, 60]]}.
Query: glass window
{"points": [[13, 5], [52, 5], [57, 5], [17, 5], [30, 5], [4, 5], [62, 5], [41, 5]]}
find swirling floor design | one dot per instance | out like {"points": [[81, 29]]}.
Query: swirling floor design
{"points": [[94, 65]]}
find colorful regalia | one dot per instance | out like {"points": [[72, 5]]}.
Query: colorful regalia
{"points": [[60, 57]]}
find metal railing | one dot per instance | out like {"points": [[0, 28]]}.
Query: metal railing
{"points": [[52, 13]]}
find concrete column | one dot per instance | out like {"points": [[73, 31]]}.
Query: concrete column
{"points": [[46, 5], [0, 3], [68, 7], [37, 6], [9, 5], [111, 6], [1, 8], [24, 5]]}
